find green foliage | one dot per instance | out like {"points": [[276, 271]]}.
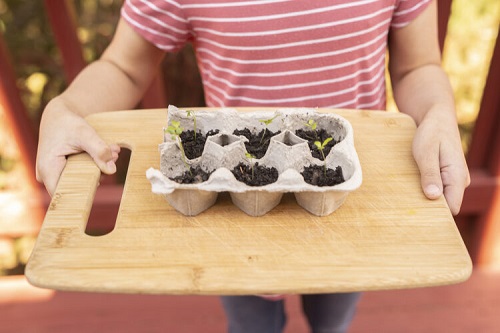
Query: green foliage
{"points": [[175, 129], [312, 124], [250, 159], [266, 122], [321, 147]]}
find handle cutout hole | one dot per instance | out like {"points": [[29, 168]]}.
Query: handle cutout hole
{"points": [[102, 218]]}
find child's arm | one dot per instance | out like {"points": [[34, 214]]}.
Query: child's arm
{"points": [[422, 90], [117, 81]]}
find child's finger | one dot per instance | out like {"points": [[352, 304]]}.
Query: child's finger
{"points": [[454, 195], [456, 178], [104, 155], [430, 171]]}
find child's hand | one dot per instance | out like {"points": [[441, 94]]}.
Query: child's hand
{"points": [[117, 81], [439, 156], [63, 133]]}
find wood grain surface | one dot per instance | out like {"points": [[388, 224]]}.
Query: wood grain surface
{"points": [[387, 235]]}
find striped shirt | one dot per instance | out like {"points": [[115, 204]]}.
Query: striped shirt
{"points": [[297, 53]]}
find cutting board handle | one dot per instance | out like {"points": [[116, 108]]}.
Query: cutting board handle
{"points": [[74, 195]]}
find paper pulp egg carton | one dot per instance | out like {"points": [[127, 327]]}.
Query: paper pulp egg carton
{"points": [[288, 153]]}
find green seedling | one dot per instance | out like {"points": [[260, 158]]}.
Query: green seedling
{"points": [[266, 122], [250, 159], [175, 130], [190, 113], [312, 125], [321, 147]]}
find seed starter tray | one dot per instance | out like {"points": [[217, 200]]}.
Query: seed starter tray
{"points": [[287, 153]]}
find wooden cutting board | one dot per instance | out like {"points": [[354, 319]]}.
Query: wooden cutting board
{"points": [[387, 235]]}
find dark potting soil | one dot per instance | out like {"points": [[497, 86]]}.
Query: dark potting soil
{"points": [[193, 176], [194, 148], [262, 175], [317, 135], [315, 175], [256, 145]]}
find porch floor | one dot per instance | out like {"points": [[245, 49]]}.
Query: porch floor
{"points": [[471, 306]]}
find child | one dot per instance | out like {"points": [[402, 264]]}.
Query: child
{"points": [[328, 53]]}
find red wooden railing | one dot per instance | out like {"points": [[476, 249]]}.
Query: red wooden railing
{"points": [[17, 118], [481, 207], [62, 18], [444, 11], [24, 133], [483, 198]]}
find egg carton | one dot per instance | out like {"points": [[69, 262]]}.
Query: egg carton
{"points": [[287, 152]]}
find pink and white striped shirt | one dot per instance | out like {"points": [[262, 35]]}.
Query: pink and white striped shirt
{"points": [[302, 53]]}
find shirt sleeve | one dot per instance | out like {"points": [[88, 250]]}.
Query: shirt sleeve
{"points": [[160, 22], [407, 10]]}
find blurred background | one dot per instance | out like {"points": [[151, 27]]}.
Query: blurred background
{"points": [[39, 76]]}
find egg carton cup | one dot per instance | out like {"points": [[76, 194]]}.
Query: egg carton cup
{"points": [[287, 152]]}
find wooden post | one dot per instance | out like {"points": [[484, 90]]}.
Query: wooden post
{"points": [[62, 18], [484, 153], [444, 11], [487, 125]]}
